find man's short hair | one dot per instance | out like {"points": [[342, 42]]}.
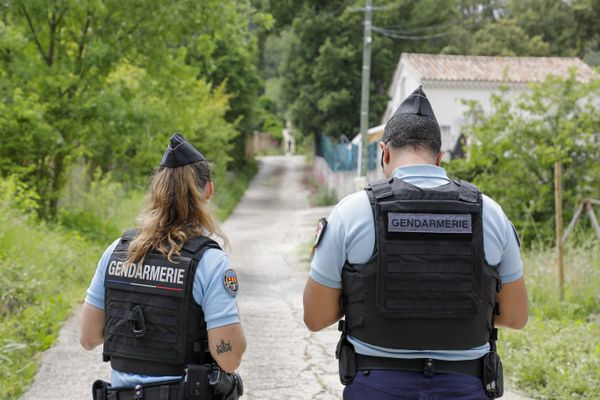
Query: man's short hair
{"points": [[412, 130]]}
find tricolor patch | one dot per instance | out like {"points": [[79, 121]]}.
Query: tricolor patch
{"points": [[230, 281]]}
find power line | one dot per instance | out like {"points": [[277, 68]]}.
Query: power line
{"points": [[424, 28], [395, 35]]}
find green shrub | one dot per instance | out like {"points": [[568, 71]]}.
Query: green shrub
{"points": [[43, 272], [229, 190], [557, 355]]}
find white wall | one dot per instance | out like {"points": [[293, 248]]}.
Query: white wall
{"points": [[445, 98], [406, 84]]}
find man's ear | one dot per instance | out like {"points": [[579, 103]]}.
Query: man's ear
{"points": [[209, 189], [385, 154], [438, 158]]}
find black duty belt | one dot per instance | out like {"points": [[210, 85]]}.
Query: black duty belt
{"points": [[427, 366], [172, 390]]}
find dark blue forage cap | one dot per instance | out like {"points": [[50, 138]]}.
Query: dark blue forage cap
{"points": [[180, 153], [416, 103]]}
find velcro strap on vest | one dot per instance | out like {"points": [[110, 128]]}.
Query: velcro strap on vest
{"points": [[468, 192], [381, 190]]}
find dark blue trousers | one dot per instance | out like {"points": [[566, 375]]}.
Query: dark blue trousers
{"points": [[401, 385]]}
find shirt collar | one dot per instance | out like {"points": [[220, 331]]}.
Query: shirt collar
{"points": [[420, 171]]}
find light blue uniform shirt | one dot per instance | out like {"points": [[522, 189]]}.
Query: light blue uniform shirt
{"points": [[350, 235], [209, 291]]}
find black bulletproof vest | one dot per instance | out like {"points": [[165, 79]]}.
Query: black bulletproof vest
{"points": [[427, 285], [153, 326]]}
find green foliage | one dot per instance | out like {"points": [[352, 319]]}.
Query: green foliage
{"points": [[107, 82], [270, 122], [557, 355], [506, 38], [42, 273], [512, 152], [231, 188], [99, 211], [321, 74]]}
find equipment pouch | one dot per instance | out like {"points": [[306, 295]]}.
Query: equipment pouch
{"points": [[196, 382], [345, 354], [493, 378], [100, 390]]}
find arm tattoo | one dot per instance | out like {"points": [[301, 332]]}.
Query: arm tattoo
{"points": [[223, 347]]}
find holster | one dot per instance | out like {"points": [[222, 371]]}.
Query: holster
{"points": [[196, 382], [100, 390], [346, 356], [493, 377]]}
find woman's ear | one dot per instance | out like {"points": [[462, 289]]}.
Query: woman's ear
{"points": [[209, 189]]}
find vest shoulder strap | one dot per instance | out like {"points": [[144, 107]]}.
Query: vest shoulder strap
{"points": [[198, 245], [468, 192], [381, 189], [126, 239]]}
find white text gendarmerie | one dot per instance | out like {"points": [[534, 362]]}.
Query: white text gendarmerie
{"points": [[147, 272]]}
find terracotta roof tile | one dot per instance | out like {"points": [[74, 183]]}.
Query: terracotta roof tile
{"points": [[441, 67]]}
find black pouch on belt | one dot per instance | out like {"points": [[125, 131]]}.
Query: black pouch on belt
{"points": [[100, 390], [346, 356], [196, 382], [493, 378]]}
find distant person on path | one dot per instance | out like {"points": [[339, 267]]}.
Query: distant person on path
{"points": [[163, 298], [421, 268]]}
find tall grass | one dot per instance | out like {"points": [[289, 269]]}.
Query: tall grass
{"points": [[557, 355], [43, 270]]}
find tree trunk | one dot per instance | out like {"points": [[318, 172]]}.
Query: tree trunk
{"points": [[59, 167]]}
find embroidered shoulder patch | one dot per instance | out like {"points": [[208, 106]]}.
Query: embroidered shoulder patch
{"points": [[230, 281], [321, 225]]}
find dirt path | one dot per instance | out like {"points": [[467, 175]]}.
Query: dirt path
{"points": [[269, 231]]}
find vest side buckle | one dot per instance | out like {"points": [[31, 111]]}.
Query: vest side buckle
{"points": [[429, 367]]}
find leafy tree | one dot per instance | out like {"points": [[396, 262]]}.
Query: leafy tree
{"points": [[322, 72], [222, 43], [62, 52], [506, 38], [513, 149], [106, 82]]}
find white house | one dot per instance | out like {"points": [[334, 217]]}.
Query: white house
{"points": [[450, 79]]}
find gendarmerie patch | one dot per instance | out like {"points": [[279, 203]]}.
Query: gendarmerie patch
{"points": [[230, 281], [429, 223], [321, 225], [154, 275]]}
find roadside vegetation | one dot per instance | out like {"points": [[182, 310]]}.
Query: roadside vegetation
{"points": [[557, 354]]}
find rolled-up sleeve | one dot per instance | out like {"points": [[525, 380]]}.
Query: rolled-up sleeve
{"points": [[95, 292], [511, 265], [218, 304]]}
